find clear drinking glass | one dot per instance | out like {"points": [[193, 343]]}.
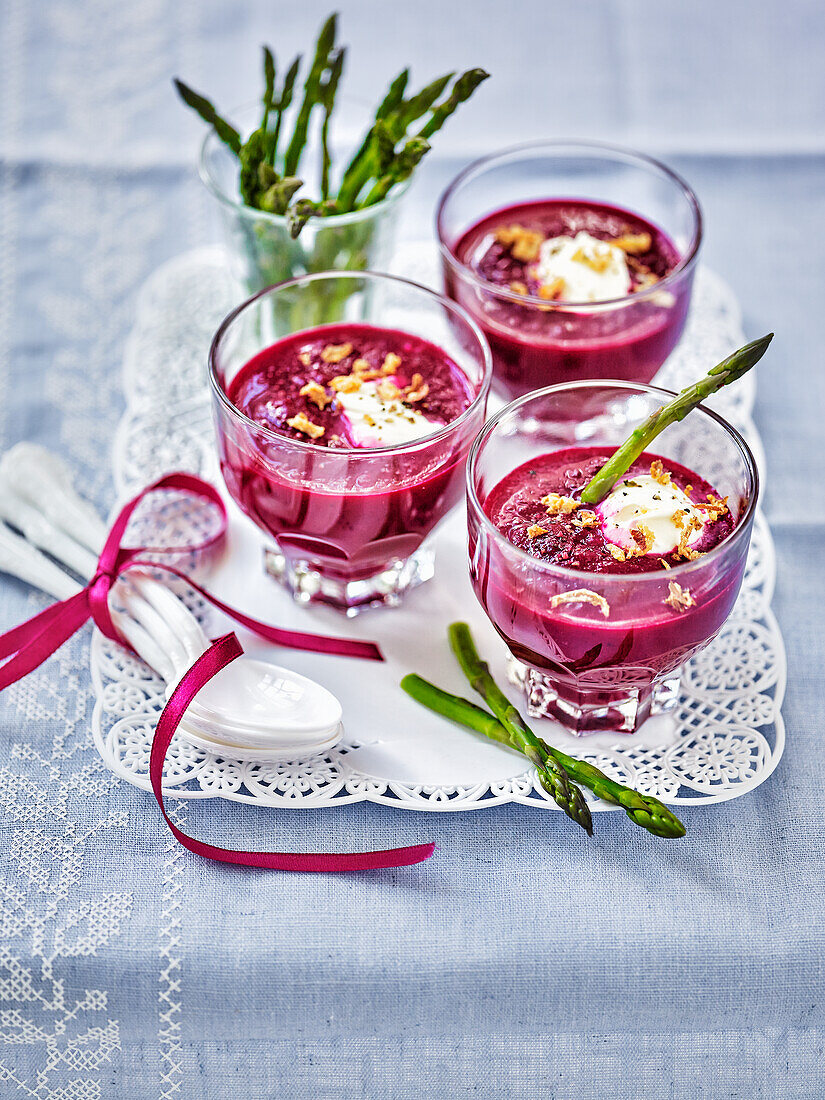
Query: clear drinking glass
{"points": [[262, 250], [348, 524], [536, 342], [589, 672]]}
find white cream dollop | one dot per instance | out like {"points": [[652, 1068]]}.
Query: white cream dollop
{"points": [[374, 421], [592, 270], [641, 500]]}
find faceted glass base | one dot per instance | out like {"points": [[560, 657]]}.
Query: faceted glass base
{"points": [[585, 710], [384, 589]]}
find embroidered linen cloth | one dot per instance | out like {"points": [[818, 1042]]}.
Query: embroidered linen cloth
{"points": [[522, 959]]}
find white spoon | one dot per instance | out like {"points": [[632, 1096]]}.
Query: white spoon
{"points": [[257, 708]]}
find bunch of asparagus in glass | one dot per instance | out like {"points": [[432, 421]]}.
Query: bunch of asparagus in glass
{"points": [[396, 140]]}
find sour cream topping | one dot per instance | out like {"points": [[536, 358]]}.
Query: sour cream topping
{"points": [[373, 421], [641, 500], [590, 270]]}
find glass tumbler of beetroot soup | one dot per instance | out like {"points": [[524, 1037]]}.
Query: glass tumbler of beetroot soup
{"points": [[601, 605], [577, 260], [346, 442]]}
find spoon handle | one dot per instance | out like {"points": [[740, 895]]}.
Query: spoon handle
{"points": [[20, 559]]}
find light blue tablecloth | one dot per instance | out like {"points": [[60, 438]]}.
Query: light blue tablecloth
{"points": [[522, 960]]}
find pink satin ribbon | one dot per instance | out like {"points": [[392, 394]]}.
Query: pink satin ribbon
{"points": [[28, 645]]}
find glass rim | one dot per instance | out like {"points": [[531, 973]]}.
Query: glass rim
{"points": [[354, 453], [241, 208], [474, 503], [464, 271]]}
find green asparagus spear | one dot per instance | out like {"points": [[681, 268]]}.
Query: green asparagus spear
{"points": [[350, 185], [312, 94], [251, 155], [463, 88], [269, 85], [410, 110], [552, 775], [643, 810], [400, 169], [278, 196], [395, 93], [328, 90], [729, 370], [283, 104], [226, 132], [299, 214]]}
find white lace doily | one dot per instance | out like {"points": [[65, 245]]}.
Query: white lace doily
{"points": [[728, 734]]}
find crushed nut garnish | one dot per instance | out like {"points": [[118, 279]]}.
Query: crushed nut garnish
{"points": [[584, 518], [345, 383], [658, 472], [646, 280], [678, 518], [634, 243], [387, 390], [417, 389], [679, 598], [334, 353], [582, 595], [552, 291], [534, 531], [305, 358], [683, 549], [523, 243], [364, 370], [391, 363], [518, 287], [558, 505], [714, 506], [644, 539], [664, 563], [600, 262], [302, 423], [616, 552], [315, 393]]}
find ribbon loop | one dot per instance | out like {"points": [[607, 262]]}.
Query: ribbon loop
{"points": [[28, 645]]}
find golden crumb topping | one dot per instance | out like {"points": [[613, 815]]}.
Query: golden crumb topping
{"points": [[713, 506], [582, 595], [334, 353], [659, 473], [523, 243], [680, 599], [518, 287], [551, 292], [417, 390], [633, 243], [305, 358], [391, 363], [345, 383], [315, 393], [557, 505], [387, 390], [644, 539], [302, 423], [616, 551], [534, 531], [585, 518], [598, 262], [683, 550]]}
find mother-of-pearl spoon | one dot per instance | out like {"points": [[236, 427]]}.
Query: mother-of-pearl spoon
{"points": [[251, 710]]}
